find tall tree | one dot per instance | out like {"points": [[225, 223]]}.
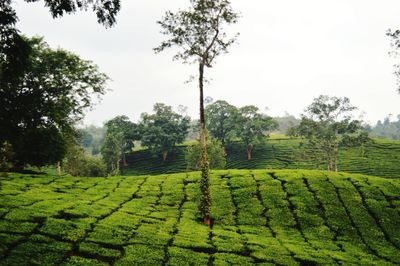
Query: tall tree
{"points": [[161, 131], [221, 120], [14, 50], [252, 127], [112, 150], [328, 124], [395, 43], [39, 106], [128, 130], [200, 35]]}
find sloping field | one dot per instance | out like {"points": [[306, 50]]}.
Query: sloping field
{"points": [[260, 217], [380, 159]]}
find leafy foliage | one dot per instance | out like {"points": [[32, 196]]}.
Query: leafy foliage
{"points": [[105, 10], [77, 163], [252, 127], [161, 131], [39, 106], [121, 125], [199, 32], [327, 125], [14, 50], [112, 151], [221, 121], [215, 153]]}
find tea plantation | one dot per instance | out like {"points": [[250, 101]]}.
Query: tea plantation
{"points": [[264, 217], [380, 158]]}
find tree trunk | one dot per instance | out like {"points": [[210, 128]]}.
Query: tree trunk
{"points": [[202, 116], [332, 156], [249, 152], [205, 202], [335, 158], [124, 159], [118, 167], [164, 155], [59, 168], [329, 159]]}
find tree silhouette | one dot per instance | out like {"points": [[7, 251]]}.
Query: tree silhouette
{"points": [[200, 36]]}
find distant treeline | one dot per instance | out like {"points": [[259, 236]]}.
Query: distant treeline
{"points": [[92, 137], [387, 129]]}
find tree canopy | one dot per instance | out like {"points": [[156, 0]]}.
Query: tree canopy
{"points": [[16, 50], [112, 151], [199, 32], [221, 120], [106, 10], [216, 155], [163, 129], [327, 124], [128, 131], [41, 104], [252, 127]]}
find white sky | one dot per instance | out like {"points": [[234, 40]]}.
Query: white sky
{"points": [[288, 53]]}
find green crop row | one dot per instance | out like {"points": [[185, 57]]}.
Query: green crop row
{"points": [[379, 159], [264, 217]]}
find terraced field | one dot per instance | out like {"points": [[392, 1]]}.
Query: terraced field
{"points": [[260, 217], [380, 159]]}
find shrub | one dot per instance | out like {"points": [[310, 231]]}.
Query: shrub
{"points": [[215, 152], [92, 166], [77, 163]]}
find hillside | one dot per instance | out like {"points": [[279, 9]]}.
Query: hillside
{"points": [[263, 217], [380, 159]]}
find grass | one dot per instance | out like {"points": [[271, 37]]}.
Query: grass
{"points": [[265, 217], [380, 159]]}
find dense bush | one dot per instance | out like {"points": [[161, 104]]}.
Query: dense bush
{"points": [[77, 163], [215, 152]]}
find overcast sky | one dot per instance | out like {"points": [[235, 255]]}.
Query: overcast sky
{"points": [[288, 53]]}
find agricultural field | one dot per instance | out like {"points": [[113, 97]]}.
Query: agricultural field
{"points": [[380, 158], [263, 217]]}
